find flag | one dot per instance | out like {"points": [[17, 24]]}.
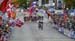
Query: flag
{"points": [[9, 14], [11, 1], [9, 6], [32, 8], [3, 6], [19, 23], [30, 11]]}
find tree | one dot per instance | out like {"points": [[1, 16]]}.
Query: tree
{"points": [[69, 3], [73, 1], [22, 3], [17, 2]]}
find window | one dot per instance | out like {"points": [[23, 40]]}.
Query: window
{"points": [[54, 1], [45, 1]]}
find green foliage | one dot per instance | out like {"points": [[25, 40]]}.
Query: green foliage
{"points": [[70, 3], [16, 2], [22, 3], [73, 1]]}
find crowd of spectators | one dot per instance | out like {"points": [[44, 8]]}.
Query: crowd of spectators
{"points": [[62, 24]]}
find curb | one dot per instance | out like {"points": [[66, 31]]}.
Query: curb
{"points": [[65, 33]]}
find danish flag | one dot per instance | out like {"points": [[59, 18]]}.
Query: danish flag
{"points": [[9, 10], [3, 5]]}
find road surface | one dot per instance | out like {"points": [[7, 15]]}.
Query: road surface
{"points": [[30, 32]]}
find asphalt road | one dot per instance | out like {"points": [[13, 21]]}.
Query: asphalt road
{"points": [[30, 32]]}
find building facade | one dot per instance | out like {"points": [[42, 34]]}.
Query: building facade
{"points": [[57, 3], [42, 2]]}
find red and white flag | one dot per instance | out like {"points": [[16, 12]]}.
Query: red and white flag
{"points": [[19, 23], [9, 10], [3, 5]]}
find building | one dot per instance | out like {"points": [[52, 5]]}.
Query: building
{"points": [[42, 2], [50, 2]]}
